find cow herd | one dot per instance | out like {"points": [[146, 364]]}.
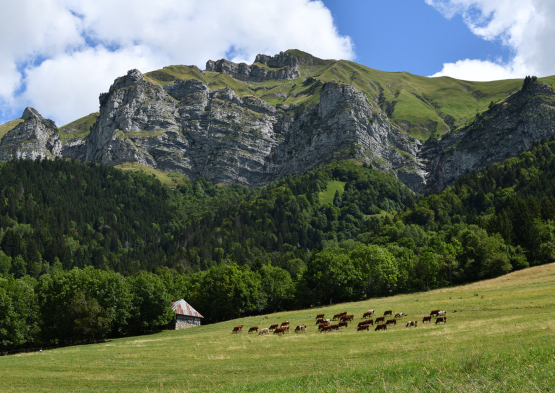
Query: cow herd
{"points": [[325, 324]]}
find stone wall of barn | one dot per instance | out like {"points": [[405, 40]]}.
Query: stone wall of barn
{"points": [[185, 321]]}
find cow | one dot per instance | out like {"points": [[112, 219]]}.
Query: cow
{"points": [[286, 323], [367, 322], [368, 314], [274, 326], [279, 330], [327, 320], [264, 331], [362, 327], [300, 328], [237, 329], [253, 329], [429, 319], [434, 313], [285, 328], [400, 315], [343, 324], [442, 313], [325, 329], [343, 313], [388, 312], [411, 323], [382, 326], [336, 316], [319, 316], [380, 319], [319, 321], [335, 327], [391, 322], [441, 319], [322, 326], [346, 318]]}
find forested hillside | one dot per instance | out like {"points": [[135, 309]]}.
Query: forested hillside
{"points": [[339, 233]]}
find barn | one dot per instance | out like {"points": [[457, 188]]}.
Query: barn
{"points": [[185, 315]]}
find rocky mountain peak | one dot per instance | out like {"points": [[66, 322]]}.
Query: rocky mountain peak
{"points": [[31, 113]]}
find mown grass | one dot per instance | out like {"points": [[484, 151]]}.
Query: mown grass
{"points": [[7, 127], [328, 194], [499, 337], [169, 179], [79, 128]]}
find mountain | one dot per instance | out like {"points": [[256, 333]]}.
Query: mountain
{"points": [[289, 113]]}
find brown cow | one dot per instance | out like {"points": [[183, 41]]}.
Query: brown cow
{"points": [[334, 327], [391, 322], [322, 325], [380, 319], [434, 312], [336, 316], [388, 312], [274, 326], [279, 330], [429, 319], [253, 329], [400, 315], [325, 329], [362, 327], [319, 321], [285, 328], [382, 326], [368, 314], [347, 318], [412, 323], [343, 313], [367, 322], [319, 316], [237, 329], [343, 324], [300, 328], [441, 319], [285, 323]]}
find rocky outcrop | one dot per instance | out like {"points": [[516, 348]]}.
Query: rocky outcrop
{"points": [[35, 138], [185, 127], [505, 130], [280, 66]]}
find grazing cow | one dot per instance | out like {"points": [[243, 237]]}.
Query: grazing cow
{"points": [[368, 314], [264, 331], [237, 329], [319, 316], [362, 327], [285, 328], [274, 326], [279, 330], [441, 319], [346, 318], [388, 312], [286, 323], [429, 319], [382, 326], [367, 322], [380, 319], [412, 323], [253, 329], [343, 324], [322, 325], [336, 316], [343, 313], [442, 313], [319, 321], [400, 315], [300, 328], [325, 329], [327, 321], [391, 322], [434, 313], [334, 327]]}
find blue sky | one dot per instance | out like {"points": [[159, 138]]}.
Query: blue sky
{"points": [[59, 55]]}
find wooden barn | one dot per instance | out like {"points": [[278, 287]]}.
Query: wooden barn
{"points": [[185, 315]]}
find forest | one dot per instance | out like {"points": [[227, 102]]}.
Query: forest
{"points": [[90, 252]]}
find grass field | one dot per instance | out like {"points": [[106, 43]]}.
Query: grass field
{"points": [[328, 194], [7, 127], [169, 179], [499, 337]]}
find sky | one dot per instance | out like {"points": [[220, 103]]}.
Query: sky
{"points": [[59, 55]]}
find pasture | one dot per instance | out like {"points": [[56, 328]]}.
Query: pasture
{"points": [[499, 336]]}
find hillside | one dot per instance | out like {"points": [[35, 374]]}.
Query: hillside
{"points": [[498, 337]]}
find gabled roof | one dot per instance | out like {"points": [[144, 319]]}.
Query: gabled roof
{"points": [[183, 308]]}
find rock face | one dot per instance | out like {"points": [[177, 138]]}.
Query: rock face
{"points": [[281, 66], [184, 127], [505, 130], [35, 138]]}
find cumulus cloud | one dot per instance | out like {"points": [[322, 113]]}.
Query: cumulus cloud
{"points": [[525, 26], [58, 55]]}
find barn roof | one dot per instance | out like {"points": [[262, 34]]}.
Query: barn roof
{"points": [[183, 308]]}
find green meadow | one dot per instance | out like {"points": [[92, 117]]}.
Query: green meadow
{"points": [[499, 337]]}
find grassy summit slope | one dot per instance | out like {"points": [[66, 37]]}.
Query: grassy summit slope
{"points": [[423, 106], [499, 337], [79, 128], [7, 127]]}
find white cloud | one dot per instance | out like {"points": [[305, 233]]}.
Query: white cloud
{"points": [[525, 26], [82, 46]]}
